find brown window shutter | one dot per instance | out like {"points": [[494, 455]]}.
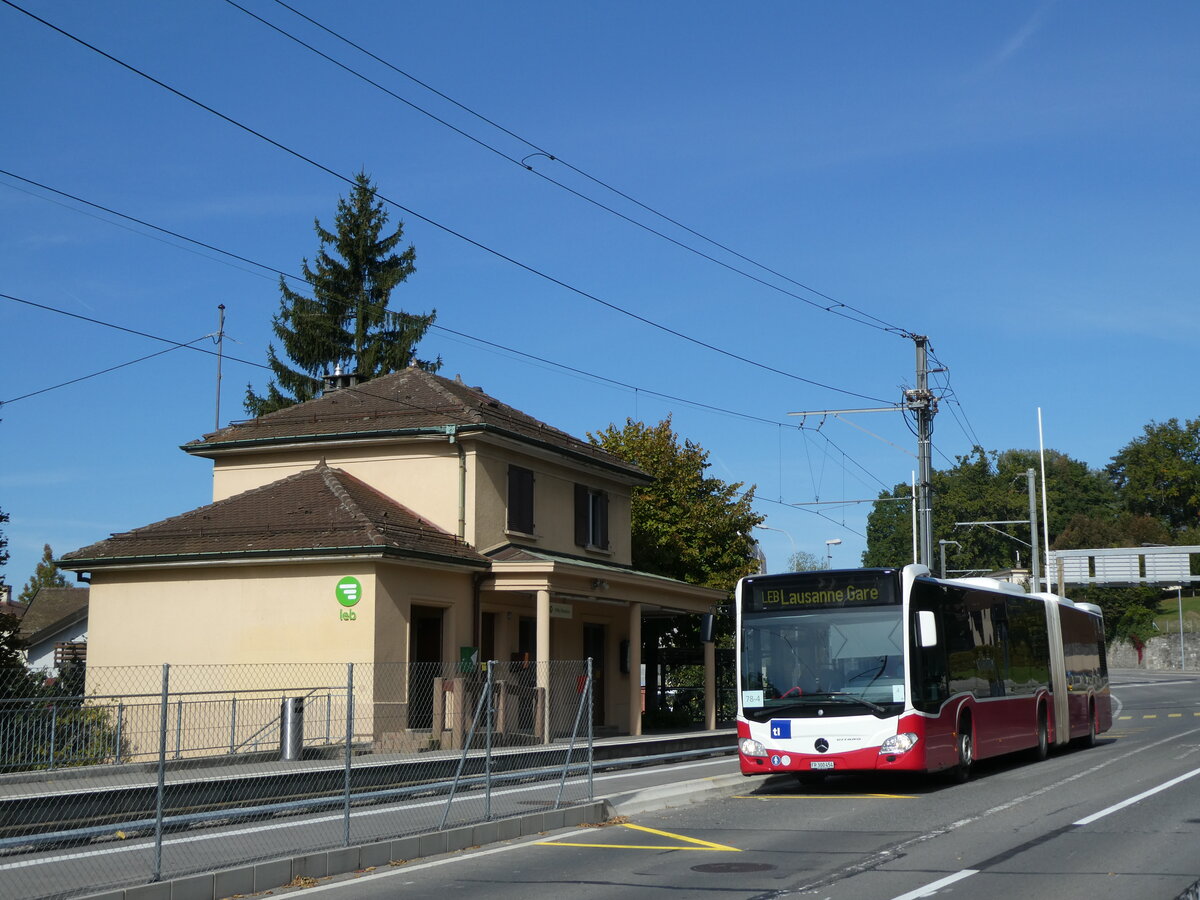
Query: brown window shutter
{"points": [[581, 515]]}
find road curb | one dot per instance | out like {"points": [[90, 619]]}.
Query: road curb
{"points": [[665, 796], [277, 873]]}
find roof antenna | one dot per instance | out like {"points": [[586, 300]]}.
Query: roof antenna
{"points": [[220, 348]]}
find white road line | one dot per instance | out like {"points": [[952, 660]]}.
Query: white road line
{"points": [[895, 850], [1087, 820], [935, 886]]}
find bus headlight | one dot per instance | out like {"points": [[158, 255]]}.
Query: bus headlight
{"points": [[900, 743], [751, 747]]}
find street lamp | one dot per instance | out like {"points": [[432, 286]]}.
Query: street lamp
{"points": [[791, 540], [829, 545]]}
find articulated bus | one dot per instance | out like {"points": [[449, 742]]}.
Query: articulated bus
{"points": [[892, 670]]}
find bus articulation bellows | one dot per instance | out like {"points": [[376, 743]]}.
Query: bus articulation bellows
{"points": [[875, 670]]}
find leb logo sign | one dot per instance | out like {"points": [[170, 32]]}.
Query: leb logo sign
{"points": [[348, 592]]}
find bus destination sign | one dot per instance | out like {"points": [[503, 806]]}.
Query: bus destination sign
{"points": [[833, 591]]}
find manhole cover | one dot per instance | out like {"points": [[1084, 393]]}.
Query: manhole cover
{"points": [[732, 868]]}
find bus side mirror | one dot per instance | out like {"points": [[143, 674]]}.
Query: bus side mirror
{"points": [[926, 628], [707, 625]]}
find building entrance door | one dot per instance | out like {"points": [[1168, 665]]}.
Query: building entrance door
{"points": [[593, 646], [424, 657]]}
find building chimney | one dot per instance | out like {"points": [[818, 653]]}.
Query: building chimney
{"points": [[339, 380]]}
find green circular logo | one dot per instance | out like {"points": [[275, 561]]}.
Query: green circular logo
{"points": [[348, 591]]}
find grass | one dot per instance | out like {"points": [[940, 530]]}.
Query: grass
{"points": [[1167, 617]]}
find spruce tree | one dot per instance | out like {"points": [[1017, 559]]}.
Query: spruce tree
{"points": [[47, 574], [346, 321]]}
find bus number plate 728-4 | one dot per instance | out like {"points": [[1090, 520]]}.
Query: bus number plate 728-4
{"points": [[821, 764]]}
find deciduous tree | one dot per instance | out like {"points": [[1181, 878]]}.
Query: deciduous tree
{"points": [[1158, 473], [687, 525], [802, 561]]}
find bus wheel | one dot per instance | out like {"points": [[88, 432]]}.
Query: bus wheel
{"points": [[961, 772], [1042, 750]]}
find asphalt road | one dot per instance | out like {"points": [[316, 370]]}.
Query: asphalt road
{"points": [[1120, 821]]}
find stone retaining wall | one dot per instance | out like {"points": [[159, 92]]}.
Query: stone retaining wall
{"points": [[1160, 654]]}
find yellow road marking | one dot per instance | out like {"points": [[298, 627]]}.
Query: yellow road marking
{"points": [[1151, 716], [694, 843], [1174, 715], [1125, 717], [827, 797]]}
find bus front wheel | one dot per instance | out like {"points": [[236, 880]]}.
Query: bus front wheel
{"points": [[961, 772]]}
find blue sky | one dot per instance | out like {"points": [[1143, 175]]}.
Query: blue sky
{"points": [[1018, 181]]}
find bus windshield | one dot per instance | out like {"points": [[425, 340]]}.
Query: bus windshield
{"points": [[834, 661]]}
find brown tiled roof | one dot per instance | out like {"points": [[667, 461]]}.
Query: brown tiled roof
{"points": [[321, 510], [408, 402], [52, 609]]}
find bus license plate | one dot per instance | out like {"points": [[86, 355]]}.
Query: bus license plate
{"points": [[821, 764]]}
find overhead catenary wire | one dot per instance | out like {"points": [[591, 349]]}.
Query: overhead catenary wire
{"points": [[434, 223], [123, 365], [834, 307], [301, 280]]}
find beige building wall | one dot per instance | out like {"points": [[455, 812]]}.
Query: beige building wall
{"points": [[422, 475], [229, 615], [238, 640], [553, 506], [434, 481]]}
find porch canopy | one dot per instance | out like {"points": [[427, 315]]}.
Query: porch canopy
{"points": [[552, 578]]}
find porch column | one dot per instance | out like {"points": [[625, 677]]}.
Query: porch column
{"points": [[710, 685], [543, 659], [635, 668]]}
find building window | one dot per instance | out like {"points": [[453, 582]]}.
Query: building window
{"points": [[591, 517], [520, 500]]}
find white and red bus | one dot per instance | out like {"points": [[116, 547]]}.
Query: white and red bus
{"points": [[891, 670]]}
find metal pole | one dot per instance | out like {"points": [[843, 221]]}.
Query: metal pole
{"points": [[220, 351], [921, 402], [349, 741], [580, 707], [1036, 568], [942, 548], [53, 732], [178, 728], [487, 759], [1181, 656], [1045, 501], [120, 722], [591, 730], [916, 550], [233, 725], [163, 714]]}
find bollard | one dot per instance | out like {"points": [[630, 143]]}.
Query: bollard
{"points": [[291, 728]]}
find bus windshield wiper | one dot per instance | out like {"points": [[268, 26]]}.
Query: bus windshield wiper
{"points": [[843, 697]]}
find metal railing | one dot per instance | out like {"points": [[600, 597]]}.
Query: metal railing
{"points": [[385, 751]]}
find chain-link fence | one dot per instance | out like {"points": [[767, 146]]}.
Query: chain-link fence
{"points": [[144, 774]]}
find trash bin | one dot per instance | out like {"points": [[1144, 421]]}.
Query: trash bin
{"points": [[291, 728]]}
